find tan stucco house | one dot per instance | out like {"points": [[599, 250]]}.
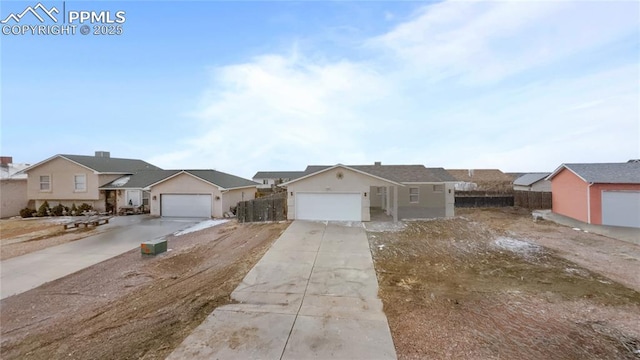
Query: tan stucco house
{"points": [[69, 179], [185, 193], [348, 193]]}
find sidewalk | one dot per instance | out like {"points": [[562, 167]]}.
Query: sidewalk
{"points": [[628, 234], [312, 296]]}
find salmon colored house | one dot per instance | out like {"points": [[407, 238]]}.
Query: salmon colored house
{"points": [[601, 194]]}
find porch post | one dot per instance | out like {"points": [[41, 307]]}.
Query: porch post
{"points": [[395, 203], [387, 195]]}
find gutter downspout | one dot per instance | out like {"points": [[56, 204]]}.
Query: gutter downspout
{"points": [[589, 203]]}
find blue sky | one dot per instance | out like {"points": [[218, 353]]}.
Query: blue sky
{"points": [[248, 86]]}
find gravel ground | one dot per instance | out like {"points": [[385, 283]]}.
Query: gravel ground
{"points": [[492, 284]]}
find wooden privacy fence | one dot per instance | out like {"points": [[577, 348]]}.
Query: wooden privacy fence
{"points": [[473, 199], [532, 199], [270, 208]]}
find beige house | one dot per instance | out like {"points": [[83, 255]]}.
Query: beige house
{"points": [[76, 179], [183, 193], [348, 193], [536, 182]]}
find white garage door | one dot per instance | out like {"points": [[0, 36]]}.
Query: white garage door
{"points": [[185, 205], [621, 208], [329, 206]]}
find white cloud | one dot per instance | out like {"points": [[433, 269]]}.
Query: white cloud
{"points": [[284, 111]]}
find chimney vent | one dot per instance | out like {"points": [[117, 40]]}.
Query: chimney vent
{"points": [[377, 163], [103, 154], [470, 172], [6, 160]]}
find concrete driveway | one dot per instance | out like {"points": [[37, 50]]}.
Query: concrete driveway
{"points": [[312, 296], [124, 233]]}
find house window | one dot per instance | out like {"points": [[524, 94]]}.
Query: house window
{"points": [[380, 191], [80, 182], [438, 188], [265, 181], [45, 183], [414, 195]]}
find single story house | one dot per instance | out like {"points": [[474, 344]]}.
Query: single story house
{"points": [[347, 193], [69, 179], [13, 187], [491, 180], [183, 193], [268, 179], [536, 182], [602, 194]]}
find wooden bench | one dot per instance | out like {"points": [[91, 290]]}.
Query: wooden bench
{"points": [[91, 220]]}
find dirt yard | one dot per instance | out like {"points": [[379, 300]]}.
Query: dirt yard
{"points": [[22, 236], [130, 307], [492, 284]]}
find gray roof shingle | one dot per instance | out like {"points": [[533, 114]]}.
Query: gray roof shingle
{"points": [[144, 178], [139, 180], [397, 173], [222, 179], [111, 165], [530, 179], [278, 174], [607, 173]]}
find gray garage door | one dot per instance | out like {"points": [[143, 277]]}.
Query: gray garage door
{"points": [[185, 205], [621, 208]]}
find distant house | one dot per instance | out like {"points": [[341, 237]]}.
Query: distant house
{"points": [[491, 180], [603, 194], [183, 193], [349, 192], [13, 187], [536, 182], [69, 179], [268, 179]]}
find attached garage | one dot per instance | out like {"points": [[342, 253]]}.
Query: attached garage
{"points": [[621, 208], [185, 205], [329, 206]]}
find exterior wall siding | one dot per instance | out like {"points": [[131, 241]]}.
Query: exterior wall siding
{"points": [[596, 198], [231, 198], [62, 191], [569, 195], [185, 184], [431, 203], [14, 197]]}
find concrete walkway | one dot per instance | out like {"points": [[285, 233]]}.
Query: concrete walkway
{"points": [[124, 233], [628, 234], [312, 296]]}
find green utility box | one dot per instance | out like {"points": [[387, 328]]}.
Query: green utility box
{"points": [[153, 247]]}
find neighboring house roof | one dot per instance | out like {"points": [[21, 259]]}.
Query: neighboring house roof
{"points": [[603, 173], [476, 175], [396, 173], [146, 178], [278, 174], [530, 179], [13, 171], [104, 165], [139, 180], [222, 179]]}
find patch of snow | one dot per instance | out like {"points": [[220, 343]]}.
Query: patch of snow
{"points": [[348, 223], [380, 247], [383, 226], [515, 245], [200, 226], [577, 229], [121, 181]]}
